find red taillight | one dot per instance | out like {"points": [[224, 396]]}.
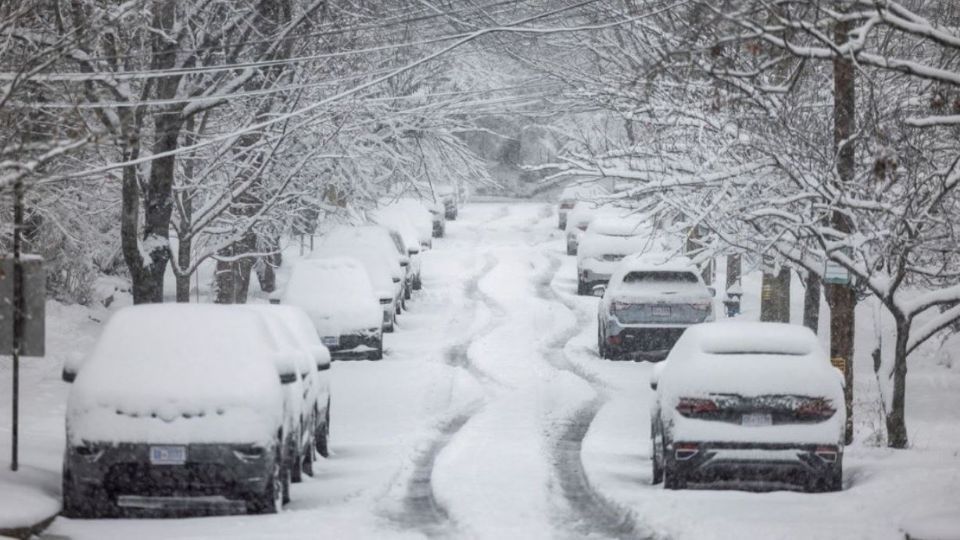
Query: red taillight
{"points": [[614, 340], [827, 453], [815, 408], [694, 406], [685, 450]]}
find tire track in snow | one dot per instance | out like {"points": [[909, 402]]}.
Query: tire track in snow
{"points": [[592, 512], [419, 508]]}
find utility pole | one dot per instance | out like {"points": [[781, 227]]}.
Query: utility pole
{"points": [[841, 297], [19, 311]]}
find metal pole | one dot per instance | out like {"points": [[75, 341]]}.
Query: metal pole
{"points": [[18, 313]]}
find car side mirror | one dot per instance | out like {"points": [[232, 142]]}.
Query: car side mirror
{"points": [[413, 251], [71, 365], [653, 384], [599, 290], [655, 375], [713, 291], [68, 375], [321, 355], [287, 367]]}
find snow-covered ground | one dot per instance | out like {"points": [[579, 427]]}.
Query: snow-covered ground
{"points": [[491, 416]]}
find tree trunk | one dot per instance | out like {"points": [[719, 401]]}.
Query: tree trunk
{"points": [[841, 298], [896, 419], [734, 269], [775, 297], [811, 302]]}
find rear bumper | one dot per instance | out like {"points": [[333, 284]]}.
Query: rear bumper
{"points": [[766, 462], [214, 478], [355, 345], [644, 342]]}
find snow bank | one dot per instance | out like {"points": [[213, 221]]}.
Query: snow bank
{"points": [[27, 497], [178, 374]]}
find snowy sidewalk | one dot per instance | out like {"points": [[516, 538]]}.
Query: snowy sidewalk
{"points": [[29, 500]]}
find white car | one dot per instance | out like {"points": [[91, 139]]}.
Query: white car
{"points": [[576, 222], [310, 395], [607, 240], [337, 295], [178, 407], [379, 269], [397, 220], [577, 191], [377, 237], [650, 300], [748, 402]]}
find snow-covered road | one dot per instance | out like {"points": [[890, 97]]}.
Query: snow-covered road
{"points": [[491, 416]]}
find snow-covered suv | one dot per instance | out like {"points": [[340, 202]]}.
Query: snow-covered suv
{"points": [[748, 402], [649, 302], [607, 240], [178, 407]]}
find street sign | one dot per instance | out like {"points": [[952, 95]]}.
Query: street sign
{"points": [[34, 291]]}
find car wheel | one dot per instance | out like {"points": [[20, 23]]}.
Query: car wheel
{"points": [[295, 459], [270, 501], [835, 480], [407, 295], [378, 353], [571, 250], [672, 478], [656, 457], [417, 284], [389, 328], [308, 461], [323, 435], [581, 288]]}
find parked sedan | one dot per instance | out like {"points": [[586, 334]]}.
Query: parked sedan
{"points": [[748, 402], [607, 240], [378, 267], [379, 238], [649, 302], [178, 407], [337, 295]]}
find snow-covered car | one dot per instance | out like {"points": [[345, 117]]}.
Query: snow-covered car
{"points": [[439, 220], [576, 224], [379, 269], [648, 303], [399, 221], [309, 397], [379, 238], [421, 219], [178, 407], [748, 402], [607, 240], [337, 295], [578, 191]]}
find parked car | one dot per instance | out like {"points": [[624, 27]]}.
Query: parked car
{"points": [[380, 269], [399, 224], [178, 407], [337, 295], [381, 239], [577, 191], [748, 402], [303, 335], [303, 397], [576, 224], [649, 302], [439, 220], [421, 219], [605, 243]]}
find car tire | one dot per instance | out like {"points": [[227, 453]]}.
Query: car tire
{"points": [[672, 478], [407, 294], [296, 459], [378, 353], [392, 326], [323, 435], [270, 501], [417, 283], [308, 458], [571, 250], [581, 288], [656, 457]]}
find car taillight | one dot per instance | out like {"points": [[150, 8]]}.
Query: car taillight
{"points": [[685, 450], [582, 226], [614, 340], [827, 453], [619, 306], [815, 408], [695, 406]]}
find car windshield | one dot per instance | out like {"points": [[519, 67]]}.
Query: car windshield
{"points": [[659, 277]]}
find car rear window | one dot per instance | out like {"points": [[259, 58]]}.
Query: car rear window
{"points": [[660, 277]]}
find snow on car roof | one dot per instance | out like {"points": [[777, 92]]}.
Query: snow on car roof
{"points": [[664, 262], [380, 269], [374, 235], [628, 225], [754, 338], [336, 292]]}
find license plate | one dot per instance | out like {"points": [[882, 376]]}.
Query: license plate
{"points": [[168, 455], [756, 419], [331, 341], [661, 311]]}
